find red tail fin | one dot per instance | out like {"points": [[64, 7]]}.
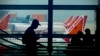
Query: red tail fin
{"points": [[77, 25], [4, 22]]}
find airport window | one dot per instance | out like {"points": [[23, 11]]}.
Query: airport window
{"points": [[78, 11], [25, 17], [54, 15], [67, 22], [67, 18]]}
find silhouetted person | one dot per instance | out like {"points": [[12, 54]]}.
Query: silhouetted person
{"points": [[88, 39], [76, 40], [88, 43], [30, 40], [75, 45]]}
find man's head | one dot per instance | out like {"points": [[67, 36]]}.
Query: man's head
{"points": [[35, 23], [87, 31]]}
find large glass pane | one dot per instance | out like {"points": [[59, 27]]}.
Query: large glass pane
{"points": [[17, 21], [24, 2], [20, 20], [75, 2], [72, 21], [69, 18]]}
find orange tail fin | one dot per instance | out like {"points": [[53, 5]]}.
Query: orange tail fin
{"points": [[77, 25], [4, 22]]}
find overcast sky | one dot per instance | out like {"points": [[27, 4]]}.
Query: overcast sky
{"points": [[58, 15]]}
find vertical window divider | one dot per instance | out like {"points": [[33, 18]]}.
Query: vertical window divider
{"points": [[50, 22]]}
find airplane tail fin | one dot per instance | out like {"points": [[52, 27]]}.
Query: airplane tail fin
{"points": [[4, 22], [76, 24]]}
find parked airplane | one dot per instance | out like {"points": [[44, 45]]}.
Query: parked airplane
{"points": [[70, 26]]}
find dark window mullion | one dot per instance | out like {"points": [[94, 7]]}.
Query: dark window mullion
{"points": [[24, 7], [50, 22]]}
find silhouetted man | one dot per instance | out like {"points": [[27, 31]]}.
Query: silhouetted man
{"points": [[29, 39], [76, 40], [75, 44], [88, 39]]}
